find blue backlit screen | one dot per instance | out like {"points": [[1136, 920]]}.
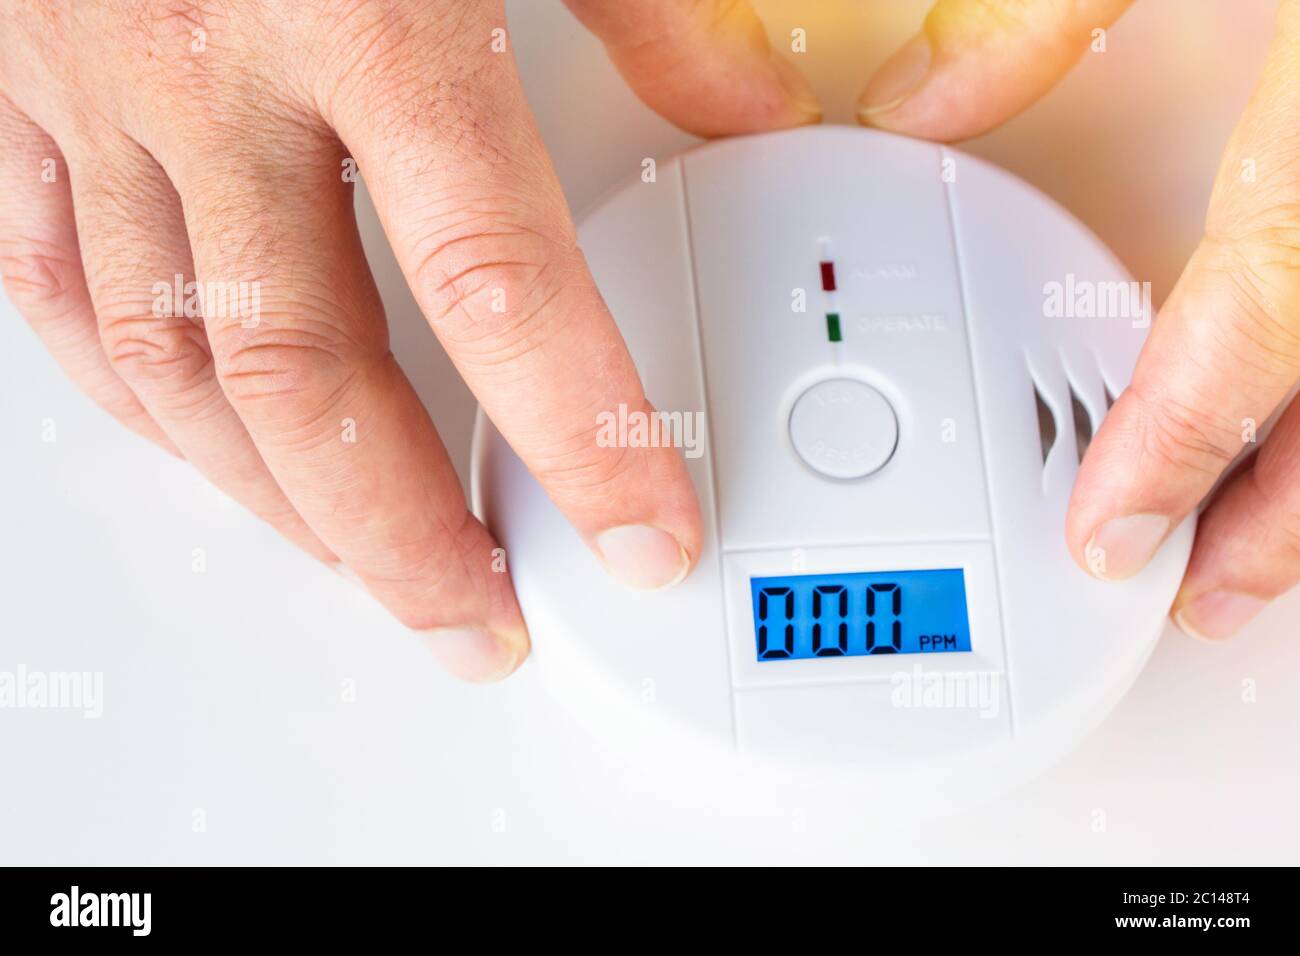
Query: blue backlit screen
{"points": [[799, 616]]}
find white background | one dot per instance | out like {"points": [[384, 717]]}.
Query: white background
{"points": [[223, 690]]}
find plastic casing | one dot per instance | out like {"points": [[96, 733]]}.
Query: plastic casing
{"points": [[945, 267]]}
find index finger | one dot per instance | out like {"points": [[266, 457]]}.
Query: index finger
{"points": [[480, 228], [705, 65]]}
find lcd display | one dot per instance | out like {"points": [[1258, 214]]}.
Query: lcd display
{"points": [[851, 615]]}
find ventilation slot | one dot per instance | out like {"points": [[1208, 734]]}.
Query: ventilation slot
{"points": [[1056, 419], [1082, 425], [1046, 424]]}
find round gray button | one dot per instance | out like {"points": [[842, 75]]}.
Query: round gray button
{"points": [[843, 428]]}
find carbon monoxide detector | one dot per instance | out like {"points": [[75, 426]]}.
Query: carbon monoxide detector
{"points": [[897, 354]]}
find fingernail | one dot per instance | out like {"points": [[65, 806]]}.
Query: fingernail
{"points": [[472, 654], [899, 78], [643, 557], [797, 88], [1218, 614], [1121, 547]]}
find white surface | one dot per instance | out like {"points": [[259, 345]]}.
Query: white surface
{"points": [[223, 690]]}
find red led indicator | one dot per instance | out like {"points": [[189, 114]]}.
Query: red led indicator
{"points": [[828, 276]]}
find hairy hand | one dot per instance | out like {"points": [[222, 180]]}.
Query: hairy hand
{"points": [[155, 149]]}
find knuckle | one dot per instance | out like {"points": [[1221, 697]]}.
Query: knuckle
{"points": [[1181, 437], [431, 576], [579, 469], [491, 291], [1265, 276], [1251, 286], [285, 375], [595, 477], [426, 561], [145, 349], [38, 276]]}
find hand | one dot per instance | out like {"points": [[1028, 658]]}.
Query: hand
{"points": [[1225, 350], [147, 144]]}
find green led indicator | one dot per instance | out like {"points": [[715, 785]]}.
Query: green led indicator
{"points": [[833, 326]]}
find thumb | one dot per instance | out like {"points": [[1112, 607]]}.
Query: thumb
{"points": [[976, 65], [705, 65]]}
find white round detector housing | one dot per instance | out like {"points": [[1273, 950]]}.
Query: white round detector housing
{"points": [[899, 352]]}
